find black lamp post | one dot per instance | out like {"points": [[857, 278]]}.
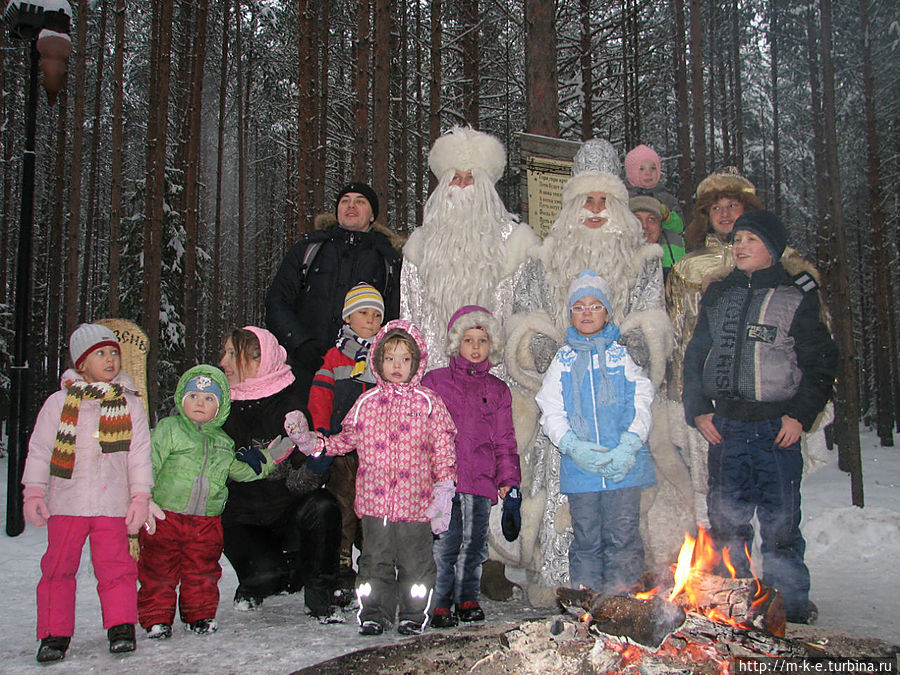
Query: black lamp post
{"points": [[44, 24]]}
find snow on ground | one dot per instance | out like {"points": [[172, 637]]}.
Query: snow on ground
{"points": [[852, 554]]}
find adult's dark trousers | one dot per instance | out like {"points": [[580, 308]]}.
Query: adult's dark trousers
{"points": [[299, 550], [749, 474]]}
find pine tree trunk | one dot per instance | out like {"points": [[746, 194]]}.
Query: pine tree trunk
{"points": [[73, 243], [55, 297], [238, 310], [434, 93], [90, 275], [361, 164], [776, 141], [697, 88], [880, 265], [541, 81], [306, 136], [682, 106], [471, 58], [381, 106], [155, 188], [835, 274], [115, 197], [737, 103], [217, 325], [192, 233], [401, 218], [587, 71]]}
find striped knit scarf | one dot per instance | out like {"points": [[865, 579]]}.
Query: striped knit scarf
{"points": [[357, 348], [114, 430]]}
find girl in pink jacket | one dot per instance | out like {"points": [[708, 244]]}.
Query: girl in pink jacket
{"points": [[88, 474], [404, 436]]}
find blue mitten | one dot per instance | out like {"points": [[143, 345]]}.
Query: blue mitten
{"points": [[319, 463], [511, 517], [624, 455], [253, 456], [587, 455]]}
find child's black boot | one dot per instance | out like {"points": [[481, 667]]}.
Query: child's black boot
{"points": [[52, 649], [121, 638]]}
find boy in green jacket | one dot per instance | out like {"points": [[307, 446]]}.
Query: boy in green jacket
{"points": [[192, 461]]}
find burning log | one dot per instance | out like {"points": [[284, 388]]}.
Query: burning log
{"points": [[647, 622], [747, 602]]}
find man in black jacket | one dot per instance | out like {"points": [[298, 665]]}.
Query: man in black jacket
{"points": [[305, 300]]}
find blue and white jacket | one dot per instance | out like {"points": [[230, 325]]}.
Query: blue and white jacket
{"points": [[631, 412]]}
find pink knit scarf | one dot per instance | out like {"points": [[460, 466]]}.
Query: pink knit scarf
{"points": [[274, 373]]}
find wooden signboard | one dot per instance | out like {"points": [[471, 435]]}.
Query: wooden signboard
{"points": [[546, 166]]}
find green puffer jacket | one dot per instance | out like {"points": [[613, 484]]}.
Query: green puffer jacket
{"points": [[192, 464]]}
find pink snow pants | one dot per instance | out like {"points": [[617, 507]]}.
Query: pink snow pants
{"points": [[114, 568]]}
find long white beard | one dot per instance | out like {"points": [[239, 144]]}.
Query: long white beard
{"points": [[570, 247], [463, 247]]}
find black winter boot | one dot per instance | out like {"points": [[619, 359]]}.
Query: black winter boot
{"points": [[121, 638], [52, 649]]}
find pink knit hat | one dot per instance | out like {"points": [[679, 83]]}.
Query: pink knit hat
{"points": [[637, 156]]}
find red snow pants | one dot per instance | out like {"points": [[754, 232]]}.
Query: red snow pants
{"points": [[184, 550]]}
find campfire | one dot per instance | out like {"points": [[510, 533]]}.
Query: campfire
{"points": [[699, 620]]}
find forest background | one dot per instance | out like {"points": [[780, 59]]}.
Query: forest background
{"points": [[196, 140]]}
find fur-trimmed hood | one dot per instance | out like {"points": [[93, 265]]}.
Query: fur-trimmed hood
{"points": [[326, 220], [465, 149], [594, 181], [473, 316], [420, 360]]}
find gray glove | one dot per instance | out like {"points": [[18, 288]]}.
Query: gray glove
{"points": [[543, 349], [637, 347]]}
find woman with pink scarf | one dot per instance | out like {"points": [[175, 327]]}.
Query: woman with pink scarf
{"points": [[281, 533]]}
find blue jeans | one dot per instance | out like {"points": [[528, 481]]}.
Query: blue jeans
{"points": [[607, 553], [461, 550], [748, 473]]}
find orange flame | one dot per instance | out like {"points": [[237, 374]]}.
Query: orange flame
{"points": [[726, 559], [647, 595]]}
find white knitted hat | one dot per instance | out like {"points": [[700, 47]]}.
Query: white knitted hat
{"points": [[465, 149], [88, 337]]}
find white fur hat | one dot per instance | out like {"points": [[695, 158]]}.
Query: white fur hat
{"points": [[594, 181], [464, 149], [473, 316]]}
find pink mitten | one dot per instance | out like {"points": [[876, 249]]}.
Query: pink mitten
{"points": [[36, 511], [297, 429], [137, 513], [154, 513], [441, 506]]}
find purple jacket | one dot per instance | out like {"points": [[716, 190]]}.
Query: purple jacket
{"points": [[481, 407]]}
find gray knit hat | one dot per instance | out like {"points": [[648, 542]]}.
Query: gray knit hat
{"points": [[646, 203], [88, 337]]}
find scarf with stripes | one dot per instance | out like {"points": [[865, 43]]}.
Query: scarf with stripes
{"points": [[114, 430]]}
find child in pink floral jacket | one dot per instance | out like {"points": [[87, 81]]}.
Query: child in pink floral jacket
{"points": [[404, 436]]}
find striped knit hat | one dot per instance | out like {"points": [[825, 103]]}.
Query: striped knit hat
{"points": [[362, 296], [88, 337]]}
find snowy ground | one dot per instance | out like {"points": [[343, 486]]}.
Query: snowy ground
{"points": [[852, 555]]}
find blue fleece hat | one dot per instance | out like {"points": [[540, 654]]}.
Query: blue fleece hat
{"points": [[204, 385], [590, 284]]}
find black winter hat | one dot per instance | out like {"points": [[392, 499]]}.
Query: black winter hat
{"points": [[365, 190], [768, 227]]}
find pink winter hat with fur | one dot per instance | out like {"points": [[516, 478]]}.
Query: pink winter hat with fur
{"points": [[637, 156]]}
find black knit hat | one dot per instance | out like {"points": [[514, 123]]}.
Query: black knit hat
{"points": [[768, 227], [365, 190]]}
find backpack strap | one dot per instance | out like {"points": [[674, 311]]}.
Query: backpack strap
{"points": [[309, 255], [805, 282]]}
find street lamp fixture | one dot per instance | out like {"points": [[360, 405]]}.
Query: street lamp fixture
{"points": [[44, 24]]}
